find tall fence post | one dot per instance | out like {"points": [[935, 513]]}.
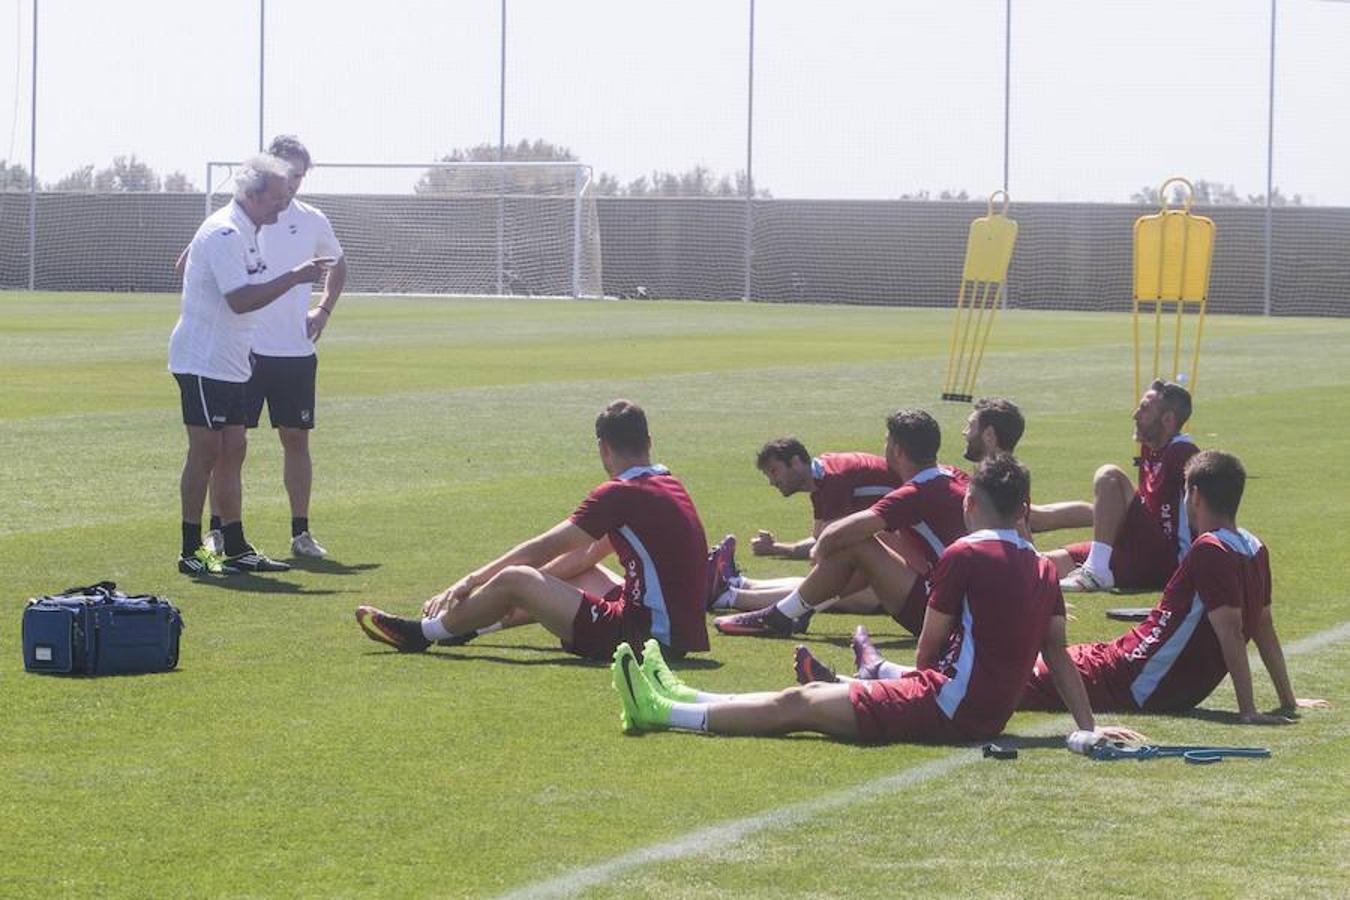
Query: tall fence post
{"points": [[501, 156], [1007, 85], [32, 161], [1270, 155], [750, 161], [262, 67]]}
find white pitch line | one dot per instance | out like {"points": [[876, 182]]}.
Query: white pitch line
{"points": [[713, 837]]}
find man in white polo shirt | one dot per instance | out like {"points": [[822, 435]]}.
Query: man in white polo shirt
{"points": [[226, 279], [285, 364]]}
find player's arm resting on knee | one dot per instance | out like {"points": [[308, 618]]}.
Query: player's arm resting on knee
{"points": [[1056, 516], [764, 544], [537, 552], [844, 533], [256, 296], [570, 564]]}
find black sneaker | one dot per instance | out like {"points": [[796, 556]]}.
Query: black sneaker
{"points": [[204, 562], [766, 622], [404, 635], [253, 561]]}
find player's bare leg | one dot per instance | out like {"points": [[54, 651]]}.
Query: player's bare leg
{"points": [[823, 708], [1113, 492], [884, 570], [297, 473], [515, 590], [203, 450], [858, 598], [227, 489]]}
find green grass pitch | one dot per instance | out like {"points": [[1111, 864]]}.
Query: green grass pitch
{"points": [[290, 756]]}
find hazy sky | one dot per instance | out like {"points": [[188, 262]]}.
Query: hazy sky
{"points": [[852, 99]]}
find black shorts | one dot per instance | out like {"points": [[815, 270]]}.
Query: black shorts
{"points": [[287, 384], [209, 403]]}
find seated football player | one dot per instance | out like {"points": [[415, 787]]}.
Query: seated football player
{"points": [[642, 513], [995, 425], [1218, 600], [925, 511], [1138, 537], [995, 602], [838, 484]]}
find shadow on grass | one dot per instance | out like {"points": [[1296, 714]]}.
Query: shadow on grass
{"points": [[556, 657], [329, 566], [905, 642], [248, 583], [559, 657]]}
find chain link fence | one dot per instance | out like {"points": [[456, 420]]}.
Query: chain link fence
{"points": [[779, 150]]}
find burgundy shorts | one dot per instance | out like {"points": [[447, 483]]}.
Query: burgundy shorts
{"points": [[901, 709], [1142, 556], [916, 606], [602, 623], [1107, 675]]}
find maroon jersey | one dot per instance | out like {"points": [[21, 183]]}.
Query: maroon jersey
{"points": [[1172, 660], [1005, 594], [655, 530], [849, 482], [927, 509], [1162, 486]]}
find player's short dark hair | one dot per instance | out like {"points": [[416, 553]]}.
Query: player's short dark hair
{"points": [[288, 146], [917, 433], [783, 449], [1005, 481], [1220, 479], [623, 426], [1004, 417], [1175, 399]]}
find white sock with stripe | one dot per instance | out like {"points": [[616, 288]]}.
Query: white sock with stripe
{"points": [[793, 606], [1099, 559], [726, 599], [888, 669]]}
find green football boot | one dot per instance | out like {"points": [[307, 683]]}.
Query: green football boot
{"points": [[643, 708], [666, 682]]}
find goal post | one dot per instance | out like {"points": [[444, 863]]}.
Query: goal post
{"points": [[458, 228]]}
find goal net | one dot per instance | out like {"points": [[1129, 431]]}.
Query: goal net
{"points": [[522, 228]]}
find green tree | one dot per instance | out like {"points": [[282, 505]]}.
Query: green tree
{"points": [[1212, 193], [13, 177], [178, 183], [696, 181], [81, 179], [126, 174]]}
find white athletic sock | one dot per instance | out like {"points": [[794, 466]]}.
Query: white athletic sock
{"points": [[736, 581], [1099, 559], [495, 626], [793, 606], [689, 716], [709, 697], [889, 669], [433, 630], [726, 599]]}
